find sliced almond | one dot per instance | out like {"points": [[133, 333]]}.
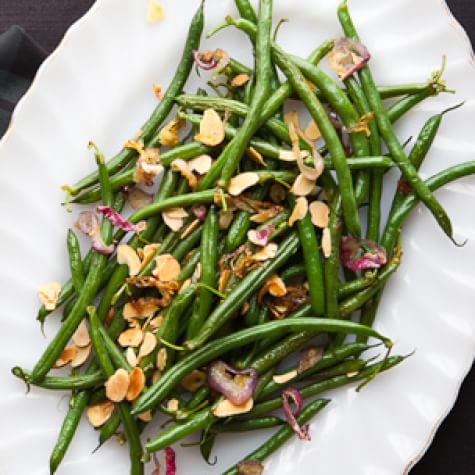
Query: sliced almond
{"points": [[148, 252], [169, 134], [127, 255], [242, 182], [48, 294], [131, 357], [148, 345], [326, 243], [254, 155], [143, 307], [173, 405], [66, 357], [266, 253], [284, 378], [81, 335], [302, 186], [193, 381], [320, 214], [240, 80], [161, 359], [167, 268], [156, 323], [225, 219], [99, 414], [117, 385], [145, 416], [264, 216], [157, 90], [275, 286], [81, 356], [184, 169], [299, 212], [138, 199], [157, 374], [177, 213], [155, 12], [226, 408], [197, 272], [175, 224], [131, 337], [201, 164], [289, 156], [185, 285], [136, 384], [211, 129], [312, 132], [190, 229]]}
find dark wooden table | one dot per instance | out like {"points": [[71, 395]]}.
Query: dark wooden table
{"points": [[453, 449]]}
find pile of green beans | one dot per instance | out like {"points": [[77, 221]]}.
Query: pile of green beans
{"points": [[257, 275]]}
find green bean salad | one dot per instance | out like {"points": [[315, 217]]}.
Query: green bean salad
{"points": [[233, 297]]}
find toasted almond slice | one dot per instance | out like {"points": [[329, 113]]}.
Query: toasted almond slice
{"points": [[161, 359], [131, 357], [326, 243], [184, 169], [173, 405], [197, 271], [194, 380], [185, 285], [257, 157], [81, 356], [157, 90], [136, 384], [226, 408], [167, 268], [157, 374], [156, 323], [240, 80], [274, 285], [263, 216], [143, 307], [225, 219], [312, 132], [169, 134], [117, 385], [145, 416], [48, 294], [138, 198], [201, 164], [242, 182], [302, 186], [127, 255], [99, 414], [148, 252], [66, 357], [289, 156], [175, 224], [211, 129], [177, 213], [266, 253], [320, 214], [148, 345], [284, 378], [155, 12], [131, 337], [299, 212], [81, 335], [190, 229]]}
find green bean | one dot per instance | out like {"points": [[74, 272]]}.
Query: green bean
{"points": [[188, 243], [116, 356], [313, 263], [392, 142], [197, 422], [246, 287], [318, 388], [89, 289], [198, 358], [83, 381], [246, 10], [330, 358], [75, 262], [209, 261], [109, 429], [188, 269], [282, 436], [70, 424], [238, 68], [162, 110], [198, 397], [107, 367], [252, 424], [233, 152], [332, 262], [185, 152]]}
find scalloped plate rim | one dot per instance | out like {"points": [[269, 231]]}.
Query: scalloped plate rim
{"points": [[453, 22]]}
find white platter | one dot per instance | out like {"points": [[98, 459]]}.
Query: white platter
{"points": [[97, 85]]}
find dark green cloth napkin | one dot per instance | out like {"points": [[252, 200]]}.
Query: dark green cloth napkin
{"points": [[20, 57]]}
